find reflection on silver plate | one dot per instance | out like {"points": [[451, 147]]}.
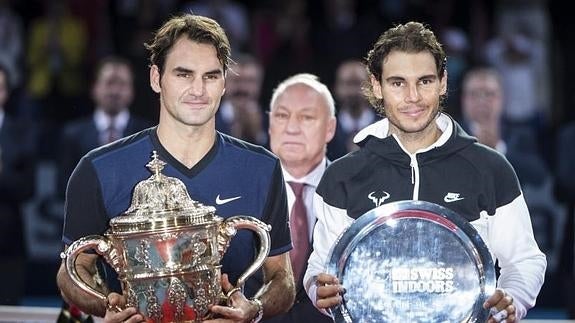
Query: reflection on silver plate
{"points": [[412, 261]]}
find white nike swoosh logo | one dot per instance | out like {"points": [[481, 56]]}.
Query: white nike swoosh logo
{"points": [[450, 199], [220, 201]]}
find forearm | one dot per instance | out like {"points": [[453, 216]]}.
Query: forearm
{"points": [[331, 222], [73, 294], [278, 293], [522, 262], [523, 284]]}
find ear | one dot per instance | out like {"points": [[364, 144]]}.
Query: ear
{"points": [[376, 86], [330, 131], [155, 79], [443, 88], [225, 82]]}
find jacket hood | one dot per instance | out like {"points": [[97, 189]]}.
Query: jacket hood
{"points": [[375, 138]]}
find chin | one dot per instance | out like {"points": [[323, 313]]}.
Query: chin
{"points": [[291, 155]]}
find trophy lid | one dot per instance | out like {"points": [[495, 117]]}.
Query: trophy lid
{"points": [[161, 202]]}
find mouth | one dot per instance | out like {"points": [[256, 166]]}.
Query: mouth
{"points": [[413, 112], [292, 144], [195, 104]]}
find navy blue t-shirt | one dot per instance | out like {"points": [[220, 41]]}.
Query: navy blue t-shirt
{"points": [[102, 184]]}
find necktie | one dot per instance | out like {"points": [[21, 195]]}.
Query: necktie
{"points": [[299, 232], [111, 132]]}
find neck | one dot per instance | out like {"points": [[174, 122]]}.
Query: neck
{"points": [[112, 113], [299, 170], [187, 144], [413, 142]]}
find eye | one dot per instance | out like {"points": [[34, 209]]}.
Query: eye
{"points": [[307, 117], [396, 83], [184, 74], [211, 77], [281, 116], [426, 81]]}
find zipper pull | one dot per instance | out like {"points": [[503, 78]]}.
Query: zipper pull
{"points": [[412, 172]]}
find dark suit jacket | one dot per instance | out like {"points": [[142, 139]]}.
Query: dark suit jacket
{"points": [[78, 138], [16, 183]]}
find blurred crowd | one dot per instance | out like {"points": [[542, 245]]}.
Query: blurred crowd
{"points": [[74, 75]]}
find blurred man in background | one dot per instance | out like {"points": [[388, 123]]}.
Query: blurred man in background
{"points": [[354, 111], [112, 93], [240, 114]]}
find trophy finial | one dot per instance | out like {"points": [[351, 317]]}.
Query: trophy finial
{"points": [[160, 194], [156, 165]]}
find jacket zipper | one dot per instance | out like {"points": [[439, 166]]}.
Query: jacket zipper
{"points": [[414, 176]]}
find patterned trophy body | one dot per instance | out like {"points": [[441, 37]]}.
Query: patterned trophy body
{"points": [[166, 249]]}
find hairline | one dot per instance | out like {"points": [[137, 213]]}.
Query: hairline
{"points": [[309, 80]]}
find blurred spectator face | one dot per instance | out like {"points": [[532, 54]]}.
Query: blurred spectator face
{"points": [[350, 76], [114, 89], [3, 89], [482, 98], [245, 85], [300, 126]]}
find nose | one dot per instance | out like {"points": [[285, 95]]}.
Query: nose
{"points": [[413, 93], [293, 124], [196, 87]]}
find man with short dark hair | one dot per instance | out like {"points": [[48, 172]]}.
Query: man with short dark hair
{"points": [[189, 56], [417, 152]]}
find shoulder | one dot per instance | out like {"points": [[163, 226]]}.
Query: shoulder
{"points": [[128, 148], [487, 158], [243, 150], [494, 171], [347, 166], [341, 173]]}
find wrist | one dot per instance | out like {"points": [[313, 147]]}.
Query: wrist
{"points": [[260, 310]]}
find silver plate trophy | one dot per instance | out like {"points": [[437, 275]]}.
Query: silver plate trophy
{"points": [[412, 261], [166, 249]]}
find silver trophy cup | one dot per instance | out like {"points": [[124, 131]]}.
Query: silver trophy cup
{"points": [[166, 249]]}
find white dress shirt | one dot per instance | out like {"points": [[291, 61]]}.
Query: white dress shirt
{"points": [[311, 180], [103, 122]]}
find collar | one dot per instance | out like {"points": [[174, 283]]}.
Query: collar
{"points": [[380, 130], [312, 178], [103, 121]]}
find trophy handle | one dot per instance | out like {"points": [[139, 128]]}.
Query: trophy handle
{"points": [[94, 242], [228, 230]]}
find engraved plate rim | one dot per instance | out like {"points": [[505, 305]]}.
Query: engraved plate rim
{"points": [[369, 221]]}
